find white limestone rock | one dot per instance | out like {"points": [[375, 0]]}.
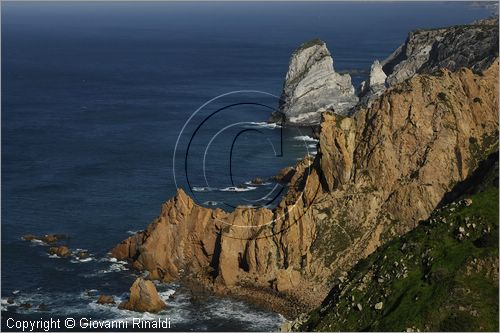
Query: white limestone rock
{"points": [[312, 86], [374, 86]]}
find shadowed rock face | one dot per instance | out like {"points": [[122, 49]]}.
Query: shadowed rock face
{"points": [[375, 176], [312, 86]]}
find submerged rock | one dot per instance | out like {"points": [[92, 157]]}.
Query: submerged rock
{"points": [[143, 297], [312, 86], [49, 238]]}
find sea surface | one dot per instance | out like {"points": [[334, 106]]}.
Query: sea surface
{"points": [[107, 108]]}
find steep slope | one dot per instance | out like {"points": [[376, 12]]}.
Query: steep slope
{"points": [[375, 176], [474, 46], [441, 276], [312, 86]]}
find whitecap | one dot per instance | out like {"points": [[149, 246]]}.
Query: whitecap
{"points": [[262, 125], [202, 189], [211, 203], [253, 184], [238, 189], [305, 138]]}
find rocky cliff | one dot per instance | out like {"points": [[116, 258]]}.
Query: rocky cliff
{"points": [[473, 46], [441, 276], [312, 86], [375, 176]]}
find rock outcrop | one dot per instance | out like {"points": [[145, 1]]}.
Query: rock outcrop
{"points": [[105, 299], [143, 298], [474, 46], [374, 86], [376, 175], [60, 251], [312, 86]]}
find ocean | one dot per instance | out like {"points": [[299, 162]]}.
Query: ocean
{"points": [[108, 107]]}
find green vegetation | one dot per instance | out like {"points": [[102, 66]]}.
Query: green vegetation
{"points": [[310, 43], [442, 276]]}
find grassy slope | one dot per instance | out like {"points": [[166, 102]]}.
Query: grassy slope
{"points": [[429, 279]]}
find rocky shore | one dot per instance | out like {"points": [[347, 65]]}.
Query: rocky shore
{"points": [[425, 122]]}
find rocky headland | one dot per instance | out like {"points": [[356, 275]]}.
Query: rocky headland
{"points": [[376, 175], [312, 86]]}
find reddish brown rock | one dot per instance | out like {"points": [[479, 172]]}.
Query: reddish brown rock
{"points": [[374, 177], [60, 251], [143, 298], [105, 299]]}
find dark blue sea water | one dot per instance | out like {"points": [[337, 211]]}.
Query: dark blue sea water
{"points": [[94, 100]]}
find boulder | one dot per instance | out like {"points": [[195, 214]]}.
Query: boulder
{"points": [[105, 299], [60, 251], [143, 297], [49, 238], [82, 254], [257, 181]]}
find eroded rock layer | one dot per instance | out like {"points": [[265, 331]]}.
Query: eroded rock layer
{"points": [[376, 176], [312, 86]]}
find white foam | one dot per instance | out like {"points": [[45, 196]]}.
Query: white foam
{"points": [[203, 189], [305, 138], [238, 189], [262, 125], [253, 184]]}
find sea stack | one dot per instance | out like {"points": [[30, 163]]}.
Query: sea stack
{"points": [[312, 86], [143, 298]]}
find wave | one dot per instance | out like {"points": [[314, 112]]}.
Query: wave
{"points": [[253, 184], [262, 125], [77, 261], [203, 189], [238, 189], [305, 138]]}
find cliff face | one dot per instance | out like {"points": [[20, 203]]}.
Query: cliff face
{"points": [[473, 46], [312, 86], [441, 276], [375, 176]]}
